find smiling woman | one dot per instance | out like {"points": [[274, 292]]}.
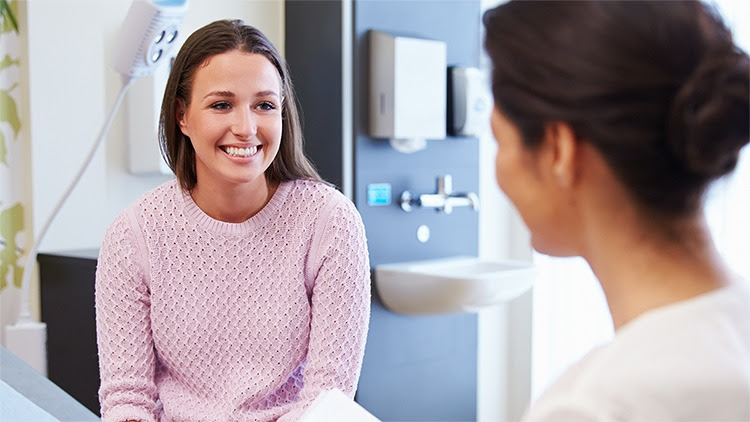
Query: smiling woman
{"points": [[239, 291]]}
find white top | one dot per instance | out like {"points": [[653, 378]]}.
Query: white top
{"points": [[687, 361]]}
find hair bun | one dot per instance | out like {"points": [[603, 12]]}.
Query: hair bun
{"points": [[709, 121]]}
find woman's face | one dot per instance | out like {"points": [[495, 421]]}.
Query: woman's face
{"points": [[234, 119], [523, 175]]}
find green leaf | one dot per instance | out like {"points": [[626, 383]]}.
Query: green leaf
{"points": [[8, 114], [9, 111], [8, 62], [11, 224], [9, 22]]}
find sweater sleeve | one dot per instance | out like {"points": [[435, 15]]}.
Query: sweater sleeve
{"points": [[340, 307], [123, 325]]}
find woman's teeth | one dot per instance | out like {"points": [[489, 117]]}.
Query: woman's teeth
{"points": [[242, 152]]}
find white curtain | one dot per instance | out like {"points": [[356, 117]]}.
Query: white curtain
{"points": [[15, 233]]}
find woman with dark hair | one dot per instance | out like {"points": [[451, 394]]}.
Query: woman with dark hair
{"points": [[240, 290], [612, 119]]}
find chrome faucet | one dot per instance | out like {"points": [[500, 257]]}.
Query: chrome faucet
{"points": [[443, 201]]}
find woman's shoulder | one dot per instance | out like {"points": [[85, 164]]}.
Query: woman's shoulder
{"points": [[314, 188], [157, 197], [318, 201], [709, 333], [315, 191], [623, 384], [720, 317], [683, 353]]}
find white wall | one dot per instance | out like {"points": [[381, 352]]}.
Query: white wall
{"points": [[729, 203], [66, 100], [504, 350]]}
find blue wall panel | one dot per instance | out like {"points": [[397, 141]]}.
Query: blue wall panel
{"points": [[417, 368]]}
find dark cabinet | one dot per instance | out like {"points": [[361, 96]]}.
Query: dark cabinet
{"points": [[67, 298]]}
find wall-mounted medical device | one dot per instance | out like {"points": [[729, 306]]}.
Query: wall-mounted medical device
{"points": [[469, 102], [147, 35], [407, 90], [146, 46]]}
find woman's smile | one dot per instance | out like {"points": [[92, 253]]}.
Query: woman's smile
{"points": [[241, 151]]}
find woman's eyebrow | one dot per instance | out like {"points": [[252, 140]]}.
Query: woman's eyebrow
{"points": [[266, 93], [227, 94], [230, 94]]}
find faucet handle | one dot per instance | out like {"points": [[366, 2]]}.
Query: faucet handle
{"points": [[407, 201], [445, 184], [474, 200]]}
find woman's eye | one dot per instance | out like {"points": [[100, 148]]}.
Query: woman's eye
{"points": [[221, 105], [266, 106]]}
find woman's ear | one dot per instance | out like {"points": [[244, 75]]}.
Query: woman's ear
{"points": [[564, 148], [180, 117]]}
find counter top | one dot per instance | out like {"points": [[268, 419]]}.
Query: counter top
{"points": [[29, 396]]}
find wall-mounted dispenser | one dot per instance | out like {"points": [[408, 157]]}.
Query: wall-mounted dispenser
{"points": [[469, 102], [407, 90]]}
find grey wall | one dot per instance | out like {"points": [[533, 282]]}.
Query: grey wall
{"points": [[415, 368]]}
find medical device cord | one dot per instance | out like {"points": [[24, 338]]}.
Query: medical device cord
{"points": [[24, 314]]}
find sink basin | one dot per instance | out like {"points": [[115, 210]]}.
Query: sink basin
{"points": [[448, 285]]}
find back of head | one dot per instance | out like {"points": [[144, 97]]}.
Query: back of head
{"points": [[658, 88]]}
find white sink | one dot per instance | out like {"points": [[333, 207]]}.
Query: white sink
{"points": [[447, 285]]}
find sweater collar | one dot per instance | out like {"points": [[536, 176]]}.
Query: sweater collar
{"points": [[268, 213]]}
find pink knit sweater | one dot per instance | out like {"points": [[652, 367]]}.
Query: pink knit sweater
{"points": [[202, 320]]}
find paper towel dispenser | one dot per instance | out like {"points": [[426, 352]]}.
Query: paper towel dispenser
{"points": [[408, 90]]}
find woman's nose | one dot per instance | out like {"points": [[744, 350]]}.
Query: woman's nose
{"points": [[244, 125]]}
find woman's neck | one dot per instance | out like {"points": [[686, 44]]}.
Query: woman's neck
{"points": [[641, 269], [233, 203]]}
